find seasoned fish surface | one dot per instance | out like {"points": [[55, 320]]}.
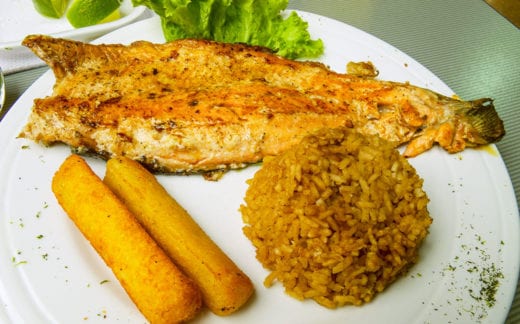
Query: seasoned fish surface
{"points": [[197, 105]]}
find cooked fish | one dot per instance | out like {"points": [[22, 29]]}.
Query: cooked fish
{"points": [[198, 105]]}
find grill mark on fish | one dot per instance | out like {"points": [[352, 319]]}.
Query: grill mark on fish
{"points": [[197, 105]]}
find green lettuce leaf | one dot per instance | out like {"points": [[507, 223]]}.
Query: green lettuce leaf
{"points": [[254, 22]]}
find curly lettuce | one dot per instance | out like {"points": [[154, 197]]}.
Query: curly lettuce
{"points": [[254, 22]]}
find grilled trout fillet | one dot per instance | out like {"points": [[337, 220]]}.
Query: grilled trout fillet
{"points": [[198, 105]]}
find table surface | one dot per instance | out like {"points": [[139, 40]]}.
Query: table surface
{"points": [[466, 43]]}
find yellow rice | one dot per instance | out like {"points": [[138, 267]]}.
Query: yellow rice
{"points": [[337, 218]]}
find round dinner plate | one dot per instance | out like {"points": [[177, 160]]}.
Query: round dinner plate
{"points": [[468, 264]]}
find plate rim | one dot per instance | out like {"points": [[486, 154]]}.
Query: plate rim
{"points": [[7, 119]]}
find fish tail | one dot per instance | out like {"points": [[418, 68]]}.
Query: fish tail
{"points": [[474, 123], [484, 119]]}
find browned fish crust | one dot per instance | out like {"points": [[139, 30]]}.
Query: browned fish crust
{"points": [[198, 105]]}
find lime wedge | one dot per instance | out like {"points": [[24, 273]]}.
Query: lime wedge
{"points": [[84, 13], [51, 8], [113, 16]]}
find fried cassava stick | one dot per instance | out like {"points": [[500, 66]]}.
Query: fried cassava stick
{"points": [[225, 288], [158, 288]]}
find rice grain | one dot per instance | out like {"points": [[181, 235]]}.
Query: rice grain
{"points": [[337, 218]]}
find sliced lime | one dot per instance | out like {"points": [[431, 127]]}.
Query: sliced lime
{"points": [[113, 16], [84, 13], [51, 8]]}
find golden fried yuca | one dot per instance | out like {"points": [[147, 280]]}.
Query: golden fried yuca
{"points": [[225, 288], [337, 218], [158, 288]]}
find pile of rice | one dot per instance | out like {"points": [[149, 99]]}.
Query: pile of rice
{"points": [[337, 218]]}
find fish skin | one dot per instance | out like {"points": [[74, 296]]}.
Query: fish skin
{"points": [[197, 105]]}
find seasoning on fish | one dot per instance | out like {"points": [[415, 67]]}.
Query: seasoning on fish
{"points": [[198, 105]]}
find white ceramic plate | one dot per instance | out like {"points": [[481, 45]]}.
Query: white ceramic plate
{"points": [[18, 18], [50, 273]]}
